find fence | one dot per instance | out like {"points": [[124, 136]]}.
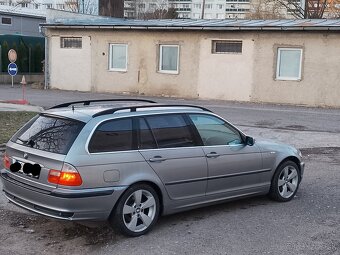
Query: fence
{"points": [[30, 51]]}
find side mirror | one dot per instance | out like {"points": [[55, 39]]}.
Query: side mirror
{"points": [[250, 140]]}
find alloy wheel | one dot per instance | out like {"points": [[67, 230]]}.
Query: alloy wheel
{"points": [[139, 210], [288, 181]]}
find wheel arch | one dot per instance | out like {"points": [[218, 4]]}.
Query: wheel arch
{"points": [[151, 184], [291, 158], [288, 158]]}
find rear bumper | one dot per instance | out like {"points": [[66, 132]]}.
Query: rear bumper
{"points": [[85, 204]]}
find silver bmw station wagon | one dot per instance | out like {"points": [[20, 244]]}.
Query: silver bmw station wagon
{"points": [[129, 161]]}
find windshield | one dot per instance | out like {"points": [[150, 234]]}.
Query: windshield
{"points": [[48, 133]]}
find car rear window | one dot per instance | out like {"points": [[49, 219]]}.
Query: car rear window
{"points": [[48, 133]]}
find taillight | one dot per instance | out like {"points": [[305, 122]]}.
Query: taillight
{"points": [[6, 161], [67, 176]]}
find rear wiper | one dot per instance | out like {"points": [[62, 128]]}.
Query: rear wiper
{"points": [[30, 142], [23, 141]]}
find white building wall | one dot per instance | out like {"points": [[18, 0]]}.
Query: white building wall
{"points": [[90, 6], [213, 9]]}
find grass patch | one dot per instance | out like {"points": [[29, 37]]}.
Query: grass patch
{"points": [[10, 122]]}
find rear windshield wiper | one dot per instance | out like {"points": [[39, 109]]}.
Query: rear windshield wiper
{"points": [[30, 142]]}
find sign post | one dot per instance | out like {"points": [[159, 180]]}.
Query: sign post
{"points": [[12, 70], [12, 67]]}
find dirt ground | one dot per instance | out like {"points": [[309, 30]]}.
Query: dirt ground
{"points": [[309, 224]]}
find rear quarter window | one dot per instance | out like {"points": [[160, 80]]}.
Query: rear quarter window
{"points": [[49, 133]]}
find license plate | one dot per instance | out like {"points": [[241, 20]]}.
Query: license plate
{"points": [[32, 170]]}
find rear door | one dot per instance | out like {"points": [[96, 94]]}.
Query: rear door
{"points": [[233, 166], [168, 144]]}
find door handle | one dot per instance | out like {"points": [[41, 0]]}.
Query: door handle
{"points": [[157, 159], [212, 155]]}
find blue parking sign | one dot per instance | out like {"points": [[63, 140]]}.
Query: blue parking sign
{"points": [[12, 69]]}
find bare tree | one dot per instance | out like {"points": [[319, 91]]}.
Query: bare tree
{"points": [[154, 10], [306, 9], [161, 14], [82, 6], [265, 9]]}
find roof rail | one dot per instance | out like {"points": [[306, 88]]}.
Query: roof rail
{"points": [[134, 108], [88, 102]]}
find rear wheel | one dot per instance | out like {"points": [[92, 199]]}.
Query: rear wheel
{"points": [[137, 211], [285, 182]]}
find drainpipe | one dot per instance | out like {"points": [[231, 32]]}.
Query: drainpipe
{"points": [[46, 64]]}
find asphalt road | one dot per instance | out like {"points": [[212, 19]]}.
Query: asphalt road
{"points": [[309, 224], [241, 114]]}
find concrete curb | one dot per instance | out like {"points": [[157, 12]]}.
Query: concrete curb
{"points": [[20, 107]]}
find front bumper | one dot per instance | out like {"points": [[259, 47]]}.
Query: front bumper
{"points": [[85, 204], [302, 169]]}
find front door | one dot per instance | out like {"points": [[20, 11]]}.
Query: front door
{"points": [[233, 166]]}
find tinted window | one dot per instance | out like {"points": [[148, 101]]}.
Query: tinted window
{"points": [[170, 131], [215, 131], [146, 139], [49, 134], [113, 135]]}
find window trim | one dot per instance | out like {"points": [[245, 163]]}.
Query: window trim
{"points": [[5, 24], [283, 78], [110, 57], [160, 70], [62, 43], [213, 46]]}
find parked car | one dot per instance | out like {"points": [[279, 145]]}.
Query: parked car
{"points": [[130, 161]]}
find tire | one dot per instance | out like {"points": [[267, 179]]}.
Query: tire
{"points": [[137, 210], [285, 182]]}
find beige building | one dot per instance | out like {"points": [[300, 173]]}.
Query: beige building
{"points": [[276, 61]]}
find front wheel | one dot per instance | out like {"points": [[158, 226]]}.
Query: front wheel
{"points": [[285, 182], [137, 210]]}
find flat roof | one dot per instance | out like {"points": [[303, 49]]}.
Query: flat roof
{"points": [[196, 24], [22, 12]]}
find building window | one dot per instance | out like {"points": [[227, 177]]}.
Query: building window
{"points": [[6, 21], [226, 47], [118, 57], [288, 64], [61, 6], [168, 58], [71, 42]]}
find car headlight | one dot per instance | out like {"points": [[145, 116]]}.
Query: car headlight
{"points": [[300, 153]]}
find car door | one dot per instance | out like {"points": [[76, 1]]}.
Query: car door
{"points": [[168, 144], [232, 165]]}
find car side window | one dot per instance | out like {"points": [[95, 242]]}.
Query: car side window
{"points": [[112, 135], [215, 131], [171, 131], [146, 139]]}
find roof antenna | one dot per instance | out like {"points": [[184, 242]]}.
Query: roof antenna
{"points": [[73, 108]]}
